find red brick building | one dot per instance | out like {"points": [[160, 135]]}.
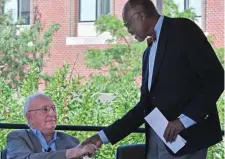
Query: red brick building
{"points": [[77, 32], [214, 20]]}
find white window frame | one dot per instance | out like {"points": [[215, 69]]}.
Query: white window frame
{"points": [[96, 11], [19, 2]]}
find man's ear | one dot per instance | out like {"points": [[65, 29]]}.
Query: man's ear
{"points": [[143, 16], [28, 116]]}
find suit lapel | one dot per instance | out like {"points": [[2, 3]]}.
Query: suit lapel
{"points": [[60, 143], [160, 48], [35, 142]]}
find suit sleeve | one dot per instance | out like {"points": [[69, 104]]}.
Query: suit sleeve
{"points": [[129, 122], [205, 64], [18, 149]]}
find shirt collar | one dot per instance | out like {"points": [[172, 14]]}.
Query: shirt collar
{"points": [[158, 26], [39, 135]]}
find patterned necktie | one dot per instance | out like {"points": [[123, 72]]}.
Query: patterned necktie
{"points": [[151, 39]]}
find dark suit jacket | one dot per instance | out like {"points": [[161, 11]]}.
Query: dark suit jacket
{"points": [[23, 144], [187, 79]]}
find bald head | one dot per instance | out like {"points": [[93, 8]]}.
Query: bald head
{"points": [[140, 17], [145, 6]]}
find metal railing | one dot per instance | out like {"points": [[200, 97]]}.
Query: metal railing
{"points": [[68, 127], [62, 127]]}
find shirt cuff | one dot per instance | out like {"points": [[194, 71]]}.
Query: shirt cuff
{"points": [[103, 137], [186, 121]]}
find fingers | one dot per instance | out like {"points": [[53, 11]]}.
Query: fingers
{"points": [[172, 130], [94, 147], [90, 150], [91, 147], [167, 132], [170, 133], [95, 139], [175, 135], [87, 141]]}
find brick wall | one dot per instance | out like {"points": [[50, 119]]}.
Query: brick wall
{"points": [[119, 4], [59, 51], [214, 22], [60, 12]]}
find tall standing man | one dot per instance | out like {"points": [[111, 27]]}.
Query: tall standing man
{"points": [[181, 76]]}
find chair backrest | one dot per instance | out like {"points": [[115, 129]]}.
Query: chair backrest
{"points": [[136, 151], [3, 153]]}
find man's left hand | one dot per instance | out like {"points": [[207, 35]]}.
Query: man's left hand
{"points": [[172, 130]]}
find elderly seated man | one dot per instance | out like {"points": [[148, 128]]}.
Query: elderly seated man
{"points": [[42, 141]]}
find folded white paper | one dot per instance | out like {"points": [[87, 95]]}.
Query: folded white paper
{"points": [[159, 123]]}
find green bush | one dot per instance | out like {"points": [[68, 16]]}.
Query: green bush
{"points": [[220, 54], [113, 25]]}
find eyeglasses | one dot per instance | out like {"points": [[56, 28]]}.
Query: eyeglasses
{"points": [[46, 109], [126, 24]]}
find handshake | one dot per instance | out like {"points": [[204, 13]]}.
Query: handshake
{"points": [[86, 148]]}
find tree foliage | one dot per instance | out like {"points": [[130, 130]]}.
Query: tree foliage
{"points": [[21, 46], [114, 26], [170, 8]]}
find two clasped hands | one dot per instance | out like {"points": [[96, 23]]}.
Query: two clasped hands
{"points": [[93, 143], [86, 148]]}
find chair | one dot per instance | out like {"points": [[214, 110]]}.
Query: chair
{"points": [[136, 151], [3, 153]]}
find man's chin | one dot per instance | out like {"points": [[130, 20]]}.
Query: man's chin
{"points": [[139, 39], [51, 128]]}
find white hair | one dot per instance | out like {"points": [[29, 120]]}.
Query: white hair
{"points": [[30, 99]]}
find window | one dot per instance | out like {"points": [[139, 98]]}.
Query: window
{"points": [[186, 4], [11, 8], [195, 4], [17, 9], [90, 10], [24, 10]]}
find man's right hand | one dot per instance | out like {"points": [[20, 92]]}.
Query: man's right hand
{"points": [[95, 139], [81, 151]]}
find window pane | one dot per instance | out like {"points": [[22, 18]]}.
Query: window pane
{"points": [[180, 4], [197, 5], [87, 10], [24, 10], [103, 7], [11, 7]]}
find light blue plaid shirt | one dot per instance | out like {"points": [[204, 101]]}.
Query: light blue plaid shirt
{"points": [[43, 142]]}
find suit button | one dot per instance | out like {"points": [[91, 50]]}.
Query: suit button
{"points": [[206, 116], [153, 97]]}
